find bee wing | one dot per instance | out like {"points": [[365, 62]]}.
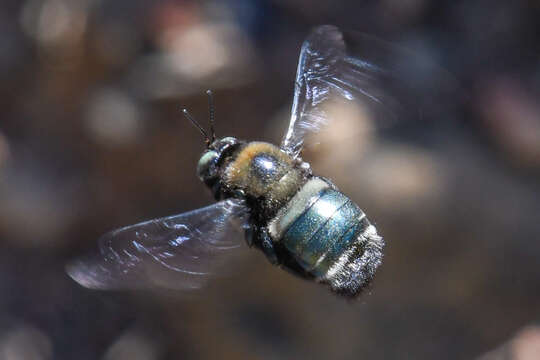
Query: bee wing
{"points": [[175, 252], [355, 67]]}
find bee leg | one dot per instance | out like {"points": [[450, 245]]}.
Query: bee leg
{"points": [[267, 246], [249, 234], [251, 231]]}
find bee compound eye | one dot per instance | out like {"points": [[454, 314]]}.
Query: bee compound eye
{"points": [[207, 166]]}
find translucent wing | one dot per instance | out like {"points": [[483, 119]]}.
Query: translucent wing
{"points": [[176, 252], [354, 67]]}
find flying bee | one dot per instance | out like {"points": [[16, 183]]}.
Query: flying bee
{"points": [[299, 220]]}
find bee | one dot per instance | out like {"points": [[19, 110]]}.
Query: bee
{"points": [[300, 221]]}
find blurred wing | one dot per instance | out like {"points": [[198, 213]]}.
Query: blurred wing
{"points": [[346, 66], [176, 252]]}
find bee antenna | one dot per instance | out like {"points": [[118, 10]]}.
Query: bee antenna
{"points": [[211, 109], [197, 125]]}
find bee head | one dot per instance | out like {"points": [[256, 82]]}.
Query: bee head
{"points": [[217, 150], [212, 158]]}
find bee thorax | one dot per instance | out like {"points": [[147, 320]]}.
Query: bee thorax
{"points": [[264, 171]]}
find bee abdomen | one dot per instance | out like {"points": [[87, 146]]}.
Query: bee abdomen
{"points": [[330, 237]]}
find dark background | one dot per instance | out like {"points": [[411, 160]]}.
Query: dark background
{"points": [[91, 139]]}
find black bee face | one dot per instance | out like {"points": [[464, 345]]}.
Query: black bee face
{"points": [[208, 166]]}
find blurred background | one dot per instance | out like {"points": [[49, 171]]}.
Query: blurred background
{"points": [[91, 139]]}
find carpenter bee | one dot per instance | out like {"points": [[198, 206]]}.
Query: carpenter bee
{"points": [[299, 220]]}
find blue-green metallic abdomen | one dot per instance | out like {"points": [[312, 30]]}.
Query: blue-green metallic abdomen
{"points": [[324, 231]]}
